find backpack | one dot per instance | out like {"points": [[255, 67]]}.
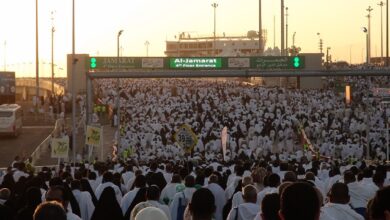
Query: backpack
{"points": [[181, 207]]}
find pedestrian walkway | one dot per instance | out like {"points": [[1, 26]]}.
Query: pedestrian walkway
{"points": [[34, 119]]}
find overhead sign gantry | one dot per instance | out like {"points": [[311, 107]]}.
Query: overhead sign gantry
{"points": [[193, 63]]}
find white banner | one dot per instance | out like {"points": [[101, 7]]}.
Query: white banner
{"points": [[60, 147], [224, 137]]}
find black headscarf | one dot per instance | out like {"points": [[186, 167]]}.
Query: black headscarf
{"points": [[33, 199], [107, 206], [85, 186]]}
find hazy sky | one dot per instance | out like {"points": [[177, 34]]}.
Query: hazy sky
{"points": [[98, 22]]}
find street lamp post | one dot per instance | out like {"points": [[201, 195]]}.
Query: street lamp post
{"points": [[36, 54], [282, 27], [118, 96], [274, 34], [293, 38], [52, 54], [73, 84], [381, 5], [261, 46], [321, 42], [147, 47], [369, 9], [365, 30], [387, 33], [215, 5], [327, 57], [287, 31]]}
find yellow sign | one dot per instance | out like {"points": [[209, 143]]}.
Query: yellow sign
{"points": [[59, 147], [348, 95], [93, 136], [186, 138]]}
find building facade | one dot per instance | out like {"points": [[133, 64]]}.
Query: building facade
{"points": [[187, 46]]}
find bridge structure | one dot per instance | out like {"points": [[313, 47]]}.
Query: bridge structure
{"points": [[26, 88]]}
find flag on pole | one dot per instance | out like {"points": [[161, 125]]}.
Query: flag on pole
{"points": [[59, 147], [93, 136], [224, 137]]}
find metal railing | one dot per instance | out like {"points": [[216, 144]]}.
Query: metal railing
{"points": [[42, 148]]}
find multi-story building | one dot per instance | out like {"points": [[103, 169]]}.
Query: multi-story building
{"points": [[187, 46]]}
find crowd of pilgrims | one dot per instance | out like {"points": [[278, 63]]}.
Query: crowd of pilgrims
{"points": [[242, 189], [261, 121], [265, 174]]}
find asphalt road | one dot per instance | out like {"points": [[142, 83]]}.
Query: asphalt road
{"points": [[23, 145]]}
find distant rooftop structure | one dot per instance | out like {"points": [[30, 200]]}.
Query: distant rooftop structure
{"points": [[186, 45]]}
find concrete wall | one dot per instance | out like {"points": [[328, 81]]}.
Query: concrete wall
{"points": [[80, 71]]}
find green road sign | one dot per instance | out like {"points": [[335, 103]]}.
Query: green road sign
{"points": [[195, 63], [270, 62], [263, 63], [115, 63]]}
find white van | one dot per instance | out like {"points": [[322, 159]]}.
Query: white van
{"points": [[11, 119]]}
